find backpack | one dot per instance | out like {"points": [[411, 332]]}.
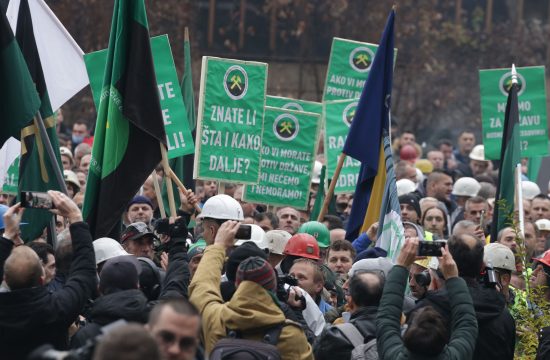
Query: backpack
{"points": [[361, 350], [235, 348]]}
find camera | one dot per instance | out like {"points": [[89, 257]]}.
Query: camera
{"points": [[430, 248], [284, 282], [36, 200], [177, 229]]}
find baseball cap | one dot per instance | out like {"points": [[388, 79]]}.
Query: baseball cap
{"points": [[135, 231]]}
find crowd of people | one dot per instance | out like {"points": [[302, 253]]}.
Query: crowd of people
{"points": [[248, 281]]}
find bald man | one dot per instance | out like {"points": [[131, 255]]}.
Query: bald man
{"points": [[30, 315]]}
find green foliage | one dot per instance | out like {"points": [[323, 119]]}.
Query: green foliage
{"points": [[531, 309]]}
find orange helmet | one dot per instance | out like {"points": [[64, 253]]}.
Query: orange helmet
{"points": [[302, 245], [545, 258]]}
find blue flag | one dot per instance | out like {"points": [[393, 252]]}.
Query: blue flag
{"points": [[365, 136]]}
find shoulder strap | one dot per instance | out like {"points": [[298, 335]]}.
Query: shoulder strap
{"points": [[351, 333], [272, 334]]}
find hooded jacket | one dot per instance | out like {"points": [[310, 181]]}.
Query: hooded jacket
{"points": [[33, 317], [463, 330], [251, 310], [497, 328], [332, 344], [130, 305]]}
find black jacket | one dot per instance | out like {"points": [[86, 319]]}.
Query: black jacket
{"points": [[33, 317], [129, 305], [332, 344], [543, 351], [497, 328]]}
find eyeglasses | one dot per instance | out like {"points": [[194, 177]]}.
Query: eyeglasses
{"points": [[169, 338]]}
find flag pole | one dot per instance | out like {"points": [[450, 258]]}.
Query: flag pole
{"points": [[39, 122], [49, 149], [330, 191], [166, 167], [182, 187], [519, 192], [159, 194]]}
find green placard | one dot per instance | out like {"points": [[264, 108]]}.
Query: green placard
{"points": [[348, 68], [338, 116], [288, 155], [178, 135], [231, 115], [494, 85], [12, 178], [294, 104]]}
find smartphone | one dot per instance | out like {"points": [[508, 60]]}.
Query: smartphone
{"points": [[430, 248], [244, 232], [36, 200], [482, 219]]}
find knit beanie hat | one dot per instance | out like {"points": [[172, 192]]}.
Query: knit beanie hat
{"points": [[412, 200], [258, 270], [246, 250]]}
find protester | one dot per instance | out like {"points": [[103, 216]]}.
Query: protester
{"points": [[427, 334], [251, 307], [340, 257], [175, 324], [137, 239], [289, 220], [128, 342], [140, 209], [28, 308], [497, 329]]}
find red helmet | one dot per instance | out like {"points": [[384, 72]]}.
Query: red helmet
{"points": [[302, 245], [408, 153], [545, 258]]}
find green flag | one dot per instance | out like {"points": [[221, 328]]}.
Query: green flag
{"points": [[36, 171], [510, 155], [20, 100], [129, 127], [320, 197], [183, 166]]}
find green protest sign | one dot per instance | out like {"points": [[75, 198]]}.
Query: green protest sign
{"points": [[288, 155], [494, 86], [178, 135], [12, 178], [230, 119], [338, 117], [294, 104], [348, 68]]}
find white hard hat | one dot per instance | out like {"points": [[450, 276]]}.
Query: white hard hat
{"points": [[529, 189], [106, 248], [419, 176], [222, 207], [316, 178], [478, 153], [405, 186], [276, 240], [257, 236], [543, 224], [499, 256], [466, 186]]}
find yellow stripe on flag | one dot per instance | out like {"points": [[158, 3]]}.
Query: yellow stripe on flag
{"points": [[377, 193]]}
